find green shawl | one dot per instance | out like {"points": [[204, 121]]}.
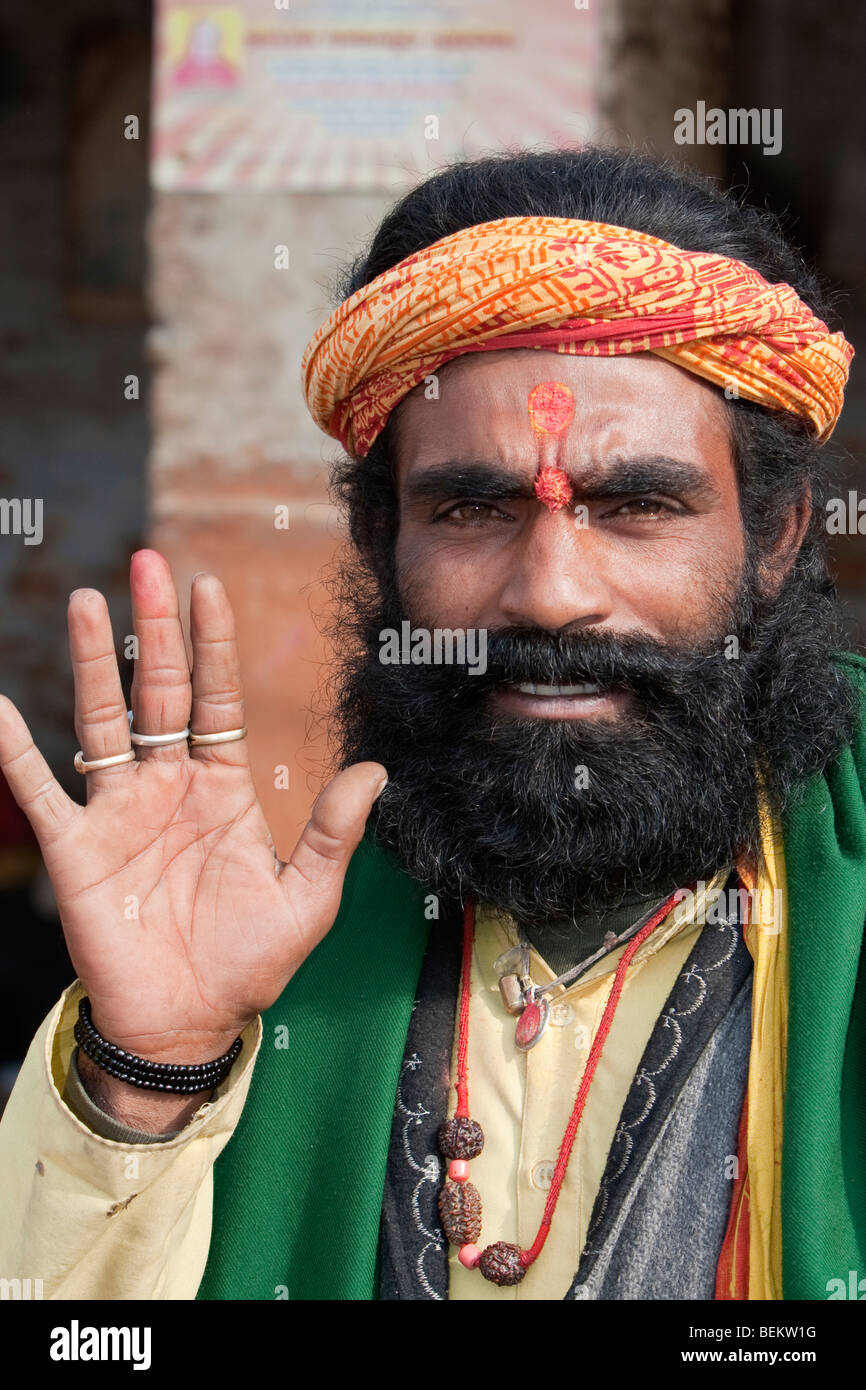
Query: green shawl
{"points": [[298, 1190]]}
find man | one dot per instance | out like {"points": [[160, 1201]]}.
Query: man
{"points": [[601, 934]]}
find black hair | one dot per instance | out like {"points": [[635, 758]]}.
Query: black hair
{"points": [[776, 457]]}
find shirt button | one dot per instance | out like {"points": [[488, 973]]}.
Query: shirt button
{"points": [[561, 1014], [542, 1174]]}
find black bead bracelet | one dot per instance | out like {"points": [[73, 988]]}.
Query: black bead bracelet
{"points": [[152, 1076]]}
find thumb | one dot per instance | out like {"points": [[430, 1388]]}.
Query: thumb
{"points": [[313, 877]]}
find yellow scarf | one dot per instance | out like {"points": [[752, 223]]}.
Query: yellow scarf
{"points": [[750, 1266]]}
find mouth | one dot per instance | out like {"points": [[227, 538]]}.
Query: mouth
{"points": [[551, 692], [576, 701]]}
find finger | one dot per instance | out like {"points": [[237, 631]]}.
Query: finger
{"points": [[313, 877], [217, 694], [31, 782], [161, 690], [100, 708]]}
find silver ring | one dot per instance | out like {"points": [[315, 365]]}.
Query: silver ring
{"points": [[155, 740], [95, 764], [158, 740], [230, 736]]}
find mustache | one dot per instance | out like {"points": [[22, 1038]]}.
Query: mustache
{"points": [[658, 674], [670, 686], [641, 665]]}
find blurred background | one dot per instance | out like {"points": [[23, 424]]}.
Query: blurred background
{"points": [[180, 185]]}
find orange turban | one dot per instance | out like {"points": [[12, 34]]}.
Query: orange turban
{"points": [[578, 287]]}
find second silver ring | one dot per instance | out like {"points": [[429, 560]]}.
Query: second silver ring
{"points": [[155, 740]]}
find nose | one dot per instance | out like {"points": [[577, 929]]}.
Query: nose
{"points": [[556, 577]]}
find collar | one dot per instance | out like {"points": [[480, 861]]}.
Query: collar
{"points": [[496, 932]]}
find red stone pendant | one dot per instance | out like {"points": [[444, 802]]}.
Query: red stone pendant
{"points": [[532, 1023]]}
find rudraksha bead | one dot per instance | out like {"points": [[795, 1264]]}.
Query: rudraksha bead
{"points": [[461, 1138], [500, 1263], [460, 1212]]}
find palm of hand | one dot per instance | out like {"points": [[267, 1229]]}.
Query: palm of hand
{"points": [[180, 920], [171, 875]]}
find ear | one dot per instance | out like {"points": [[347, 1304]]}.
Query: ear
{"points": [[775, 565]]}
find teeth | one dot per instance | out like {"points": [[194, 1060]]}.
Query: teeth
{"points": [[549, 691]]}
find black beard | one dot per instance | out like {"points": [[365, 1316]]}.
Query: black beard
{"points": [[554, 819]]}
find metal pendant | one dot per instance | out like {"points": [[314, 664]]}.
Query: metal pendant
{"points": [[533, 1021], [511, 991]]}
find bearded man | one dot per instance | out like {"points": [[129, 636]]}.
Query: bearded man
{"points": [[600, 932]]}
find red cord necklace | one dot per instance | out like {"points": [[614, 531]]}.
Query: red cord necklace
{"points": [[462, 1138]]}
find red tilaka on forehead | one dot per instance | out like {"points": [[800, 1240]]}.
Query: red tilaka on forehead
{"points": [[551, 407], [551, 410]]}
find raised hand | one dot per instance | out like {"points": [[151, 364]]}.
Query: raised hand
{"points": [[180, 921]]}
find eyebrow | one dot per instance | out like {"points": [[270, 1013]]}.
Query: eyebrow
{"points": [[618, 477]]}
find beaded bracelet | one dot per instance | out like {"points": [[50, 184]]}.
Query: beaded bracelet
{"points": [[153, 1076]]}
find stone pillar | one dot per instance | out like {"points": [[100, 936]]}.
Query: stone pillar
{"points": [[656, 59], [236, 455]]}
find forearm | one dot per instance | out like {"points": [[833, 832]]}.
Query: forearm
{"points": [[97, 1219]]}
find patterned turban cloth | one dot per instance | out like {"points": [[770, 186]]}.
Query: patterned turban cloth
{"points": [[584, 288]]}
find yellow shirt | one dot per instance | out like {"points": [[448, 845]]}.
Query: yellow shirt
{"points": [[85, 1217], [523, 1101]]}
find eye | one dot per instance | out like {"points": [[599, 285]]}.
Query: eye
{"points": [[649, 508], [471, 514]]}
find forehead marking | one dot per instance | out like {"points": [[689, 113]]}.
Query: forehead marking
{"points": [[551, 410], [551, 407]]}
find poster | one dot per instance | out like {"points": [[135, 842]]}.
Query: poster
{"points": [[327, 95]]}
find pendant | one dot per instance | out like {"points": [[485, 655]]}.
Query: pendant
{"points": [[511, 991], [533, 1021]]}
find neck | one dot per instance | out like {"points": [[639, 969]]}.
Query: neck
{"points": [[562, 945]]}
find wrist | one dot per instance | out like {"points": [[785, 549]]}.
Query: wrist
{"points": [[175, 1047], [146, 1073], [154, 1112]]}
